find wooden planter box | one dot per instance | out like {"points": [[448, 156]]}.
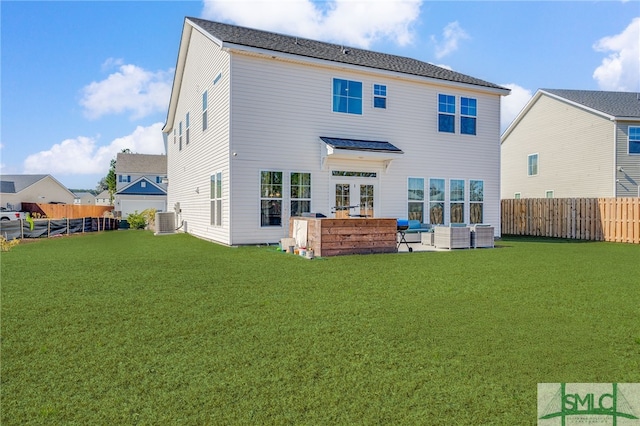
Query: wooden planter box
{"points": [[335, 237], [452, 237]]}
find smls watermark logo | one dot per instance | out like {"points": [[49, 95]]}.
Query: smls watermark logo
{"points": [[565, 404]]}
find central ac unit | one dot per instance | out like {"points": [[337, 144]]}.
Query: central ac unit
{"points": [[165, 223]]}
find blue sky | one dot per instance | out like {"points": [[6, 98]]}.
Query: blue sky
{"points": [[80, 81]]}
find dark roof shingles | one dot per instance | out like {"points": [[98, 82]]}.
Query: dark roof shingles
{"points": [[361, 145], [616, 104], [332, 52]]}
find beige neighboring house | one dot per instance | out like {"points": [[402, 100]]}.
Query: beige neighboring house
{"points": [[84, 199], [103, 198], [140, 183], [42, 189], [573, 143]]}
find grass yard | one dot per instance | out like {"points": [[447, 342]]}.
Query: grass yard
{"points": [[124, 327]]}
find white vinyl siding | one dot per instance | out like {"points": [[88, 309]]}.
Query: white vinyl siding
{"points": [[189, 173]]}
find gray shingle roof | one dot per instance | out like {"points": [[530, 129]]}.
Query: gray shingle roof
{"points": [[616, 104], [332, 52], [20, 182], [141, 163]]}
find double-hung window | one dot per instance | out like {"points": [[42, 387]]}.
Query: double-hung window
{"points": [[347, 96], [532, 165], [380, 96], [468, 112], [415, 196], [300, 193], [456, 201], [270, 198], [180, 136], [476, 201], [205, 106], [634, 140], [216, 199], [436, 201], [446, 113], [124, 178]]}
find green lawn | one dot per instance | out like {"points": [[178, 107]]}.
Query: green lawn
{"points": [[125, 327]]}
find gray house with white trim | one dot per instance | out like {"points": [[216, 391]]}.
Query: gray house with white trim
{"points": [[573, 143], [263, 127]]}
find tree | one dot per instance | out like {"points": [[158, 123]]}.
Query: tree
{"points": [[109, 182]]}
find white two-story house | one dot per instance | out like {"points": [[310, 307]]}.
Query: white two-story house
{"points": [[262, 127]]}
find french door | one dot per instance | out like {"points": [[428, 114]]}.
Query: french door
{"points": [[354, 198]]}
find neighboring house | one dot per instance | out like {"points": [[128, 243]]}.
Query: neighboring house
{"points": [[140, 183], [262, 127], [573, 143], [103, 198], [84, 199], [42, 189]]}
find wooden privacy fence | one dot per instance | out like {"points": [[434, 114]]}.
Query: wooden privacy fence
{"points": [[65, 211], [598, 219]]}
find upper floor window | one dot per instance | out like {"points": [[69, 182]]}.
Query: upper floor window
{"points": [[446, 113], [124, 178], [347, 96], [180, 136], [380, 96], [158, 179], [186, 125], [634, 140], [468, 110], [532, 165], [205, 106]]}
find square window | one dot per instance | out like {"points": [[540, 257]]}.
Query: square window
{"points": [[347, 96], [446, 123]]}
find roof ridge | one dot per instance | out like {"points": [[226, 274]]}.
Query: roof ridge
{"points": [[339, 53]]}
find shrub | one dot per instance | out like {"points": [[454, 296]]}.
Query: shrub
{"points": [[136, 220], [149, 216], [7, 245]]}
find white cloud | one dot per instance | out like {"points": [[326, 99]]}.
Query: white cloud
{"points": [[452, 34], [511, 105], [620, 71], [338, 21], [130, 89], [83, 155]]}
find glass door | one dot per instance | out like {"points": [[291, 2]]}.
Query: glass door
{"points": [[354, 199]]}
